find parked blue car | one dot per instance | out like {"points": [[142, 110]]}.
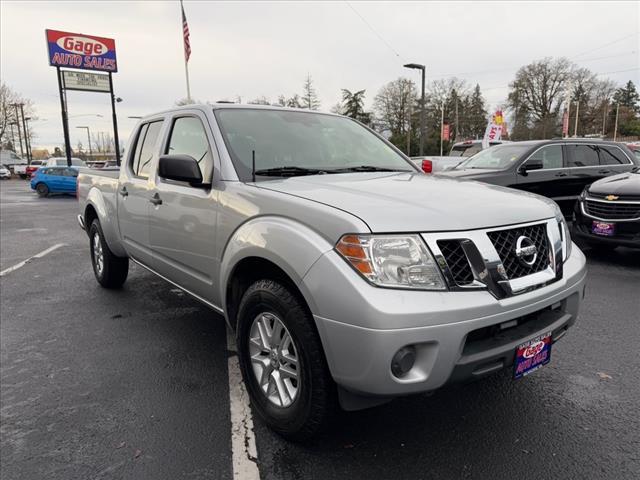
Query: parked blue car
{"points": [[47, 180]]}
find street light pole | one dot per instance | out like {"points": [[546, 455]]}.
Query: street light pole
{"points": [[27, 141], [615, 128], [417, 66], [88, 140]]}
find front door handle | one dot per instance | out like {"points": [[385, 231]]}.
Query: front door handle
{"points": [[562, 174], [123, 191], [156, 200], [604, 171]]}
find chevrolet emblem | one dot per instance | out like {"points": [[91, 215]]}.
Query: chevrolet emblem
{"points": [[611, 197]]}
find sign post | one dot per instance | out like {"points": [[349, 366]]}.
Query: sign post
{"points": [[83, 52]]}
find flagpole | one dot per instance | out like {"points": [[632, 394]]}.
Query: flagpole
{"points": [[186, 64]]}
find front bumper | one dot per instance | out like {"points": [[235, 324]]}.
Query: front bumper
{"points": [[454, 333], [627, 233]]}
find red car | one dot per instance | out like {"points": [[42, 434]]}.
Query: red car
{"points": [[35, 165]]}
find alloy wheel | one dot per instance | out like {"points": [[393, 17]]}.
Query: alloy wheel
{"points": [[274, 359]]}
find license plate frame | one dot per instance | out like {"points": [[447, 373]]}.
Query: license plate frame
{"points": [[532, 355], [603, 229]]}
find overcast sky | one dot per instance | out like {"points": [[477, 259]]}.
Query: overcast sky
{"points": [[252, 49]]}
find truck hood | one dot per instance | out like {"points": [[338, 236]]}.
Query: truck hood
{"points": [[408, 202]]}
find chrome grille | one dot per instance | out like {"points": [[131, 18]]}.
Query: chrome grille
{"points": [[504, 242], [456, 261], [612, 210]]}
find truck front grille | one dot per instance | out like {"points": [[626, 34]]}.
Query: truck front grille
{"points": [[612, 210], [456, 261], [505, 241]]}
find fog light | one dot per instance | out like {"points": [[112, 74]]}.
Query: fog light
{"points": [[403, 361]]}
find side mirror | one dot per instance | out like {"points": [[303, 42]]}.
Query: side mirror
{"points": [[181, 168], [533, 164]]}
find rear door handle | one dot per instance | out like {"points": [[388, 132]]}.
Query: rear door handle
{"points": [[123, 191], [562, 174], [604, 171], [156, 200]]}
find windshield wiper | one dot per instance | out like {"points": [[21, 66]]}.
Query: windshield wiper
{"points": [[366, 168], [290, 171]]}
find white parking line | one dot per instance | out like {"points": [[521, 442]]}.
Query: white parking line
{"points": [[243, 440], [37, 255]]}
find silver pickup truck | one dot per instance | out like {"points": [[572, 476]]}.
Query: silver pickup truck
{"points": [[347, 275]]}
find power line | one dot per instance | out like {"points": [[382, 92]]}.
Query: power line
{"points": [[510, 69], [374, 30], [605, 45]]}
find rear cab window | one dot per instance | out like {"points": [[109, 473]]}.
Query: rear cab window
{"points": [[140, 161]]}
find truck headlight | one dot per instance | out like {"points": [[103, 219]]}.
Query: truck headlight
{"points": [[396, 261], [565, 235]]}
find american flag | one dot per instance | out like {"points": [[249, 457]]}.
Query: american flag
{"points": [[185, 35]]}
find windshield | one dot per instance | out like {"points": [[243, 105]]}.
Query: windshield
{"points": [[74, 161], [465, 150], [495, 158], [304, 143]]}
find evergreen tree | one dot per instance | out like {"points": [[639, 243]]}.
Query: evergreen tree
{"points": [[627, 96], [477, 113], [309, 95]]}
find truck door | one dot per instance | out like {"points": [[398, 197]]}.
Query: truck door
{"points": [[134, 193], [182, 223]]}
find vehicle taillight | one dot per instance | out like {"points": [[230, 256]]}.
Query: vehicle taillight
{"points": [[427, 166]]}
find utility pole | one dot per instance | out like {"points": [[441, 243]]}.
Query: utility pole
{"points": [[575, 128], [13, 138], [441, 127], [15, 105], [604, 118], [409, 132], [26, 133], [615, 129], [457, 121], [27, 138]]}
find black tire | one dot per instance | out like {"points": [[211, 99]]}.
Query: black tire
{"points": [[42, 190], [113, 270], [23, 177], [316, 397]]}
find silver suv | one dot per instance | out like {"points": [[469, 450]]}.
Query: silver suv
{"points": [[345, 273]]}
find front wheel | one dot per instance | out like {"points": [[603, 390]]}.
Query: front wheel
{"points": [[42, 190], [282, 361], [110, 271]]}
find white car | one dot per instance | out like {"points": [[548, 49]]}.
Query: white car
{"points": [[62, 162], [4, 172]]}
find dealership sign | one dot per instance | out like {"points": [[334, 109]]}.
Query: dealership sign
{"points": [[77, 50], [88, 82]]}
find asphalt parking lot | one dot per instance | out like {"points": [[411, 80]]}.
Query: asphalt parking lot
{"points": [[134, 384]]}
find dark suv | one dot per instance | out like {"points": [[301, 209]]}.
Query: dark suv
{"points": [[608, 211], [558, 169]]}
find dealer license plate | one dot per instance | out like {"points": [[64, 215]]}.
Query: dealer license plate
{"points": [[605, 229], [532, 355]]}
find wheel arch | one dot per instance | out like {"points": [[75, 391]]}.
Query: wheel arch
{"points": [[269, 247]]}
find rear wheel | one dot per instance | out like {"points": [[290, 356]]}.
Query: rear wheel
{"points": [[42, 189], [282, 361], [110, 271]]}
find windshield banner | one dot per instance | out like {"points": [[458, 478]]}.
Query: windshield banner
{"points": [[494, 129]]}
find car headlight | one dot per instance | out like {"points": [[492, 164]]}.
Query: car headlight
{"points": [[565, 235], [396, 261], [583, 195]]}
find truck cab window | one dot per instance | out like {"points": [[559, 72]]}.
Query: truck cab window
{"points": [[189, 138]]}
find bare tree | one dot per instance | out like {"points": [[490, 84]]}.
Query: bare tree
{"points": [[392, 106], [9, 122], [539, 89]]}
